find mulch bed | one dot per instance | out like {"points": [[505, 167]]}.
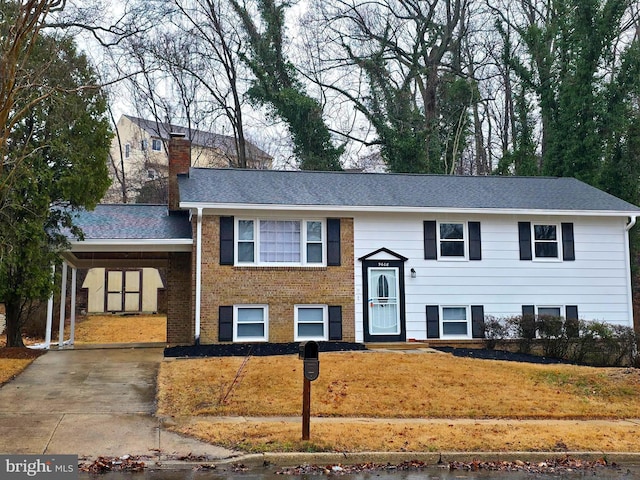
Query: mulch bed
{"points": [[292, 348], [255, 349], [20, 353], [486, 354]]}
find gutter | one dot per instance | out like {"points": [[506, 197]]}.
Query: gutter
{"points": [[198, 274], [631, 224]]}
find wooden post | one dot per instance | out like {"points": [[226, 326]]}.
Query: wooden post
{"points": [[306, 408]]}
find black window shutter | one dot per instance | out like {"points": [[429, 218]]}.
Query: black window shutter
{"points": [[475, 244], [225, 323], [568, 250], [477, 321], [333, 242], [528, 323], [335, 322], [430, 241], [226, 240], [433, 321], [524, 234], [572, 324]]}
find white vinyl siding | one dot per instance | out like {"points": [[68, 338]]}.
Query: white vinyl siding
{"points": [[597, 281]]}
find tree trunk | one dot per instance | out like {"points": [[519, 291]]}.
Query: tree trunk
{"points": [[14, 323]]}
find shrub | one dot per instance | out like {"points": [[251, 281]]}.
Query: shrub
{"points": [[553, 336], [579, 341], [495, 330]]}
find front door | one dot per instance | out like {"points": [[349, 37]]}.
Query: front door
{"points": [[384, 311]]}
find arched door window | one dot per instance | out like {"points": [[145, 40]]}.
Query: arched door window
{"points": [[383, 289]]}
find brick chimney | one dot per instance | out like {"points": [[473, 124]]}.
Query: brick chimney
{"points": [[179, 163]]}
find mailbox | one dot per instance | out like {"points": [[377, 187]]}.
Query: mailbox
{"points": [[308, 353]]}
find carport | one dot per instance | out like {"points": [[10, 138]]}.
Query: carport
{"points": [[128, 236]]}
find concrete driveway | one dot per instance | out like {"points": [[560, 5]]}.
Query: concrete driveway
{"points": [[97, 402]]}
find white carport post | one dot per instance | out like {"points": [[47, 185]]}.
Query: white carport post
{"points": [[47, 338], [63, 304], [73, 305]]}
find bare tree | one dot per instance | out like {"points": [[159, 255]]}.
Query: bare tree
{"points": [[407, 53], [189, 73]]}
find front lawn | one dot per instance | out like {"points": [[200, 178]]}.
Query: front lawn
{"points": [[14, 360], [399, 386]]}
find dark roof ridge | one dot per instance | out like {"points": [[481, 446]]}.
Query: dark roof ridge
{"points": [[405, 174]]}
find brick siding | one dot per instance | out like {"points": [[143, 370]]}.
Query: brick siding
{"points": [[180, 319], [278, 287], [180, 161]]}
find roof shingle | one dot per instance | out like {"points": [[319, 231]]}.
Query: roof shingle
{"points": [[133, 222], [346, 189]]}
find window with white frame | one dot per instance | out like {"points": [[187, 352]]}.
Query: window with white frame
{"points": [[156, 145], [451, 238], [549, 311], [143, 144], [250, 323], [280, 242], [455, 322], [127, 150], [310, 322], [545, 239]]}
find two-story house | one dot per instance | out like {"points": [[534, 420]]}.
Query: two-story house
{"points": [[138, 154], [281, 256]]}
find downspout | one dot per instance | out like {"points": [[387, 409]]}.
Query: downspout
{"points": [[631, 224], [198, 273]]}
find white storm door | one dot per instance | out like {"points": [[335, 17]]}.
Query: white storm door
{"points": [[384, 308]]}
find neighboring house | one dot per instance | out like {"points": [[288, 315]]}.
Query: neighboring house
{"points": [[140, 148], [281, 256]]}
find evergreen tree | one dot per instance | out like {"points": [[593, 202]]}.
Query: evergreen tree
{"points": [[56, 160]]}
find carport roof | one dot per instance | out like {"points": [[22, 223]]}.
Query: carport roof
{"points": [[133, 221], [129, 236]]}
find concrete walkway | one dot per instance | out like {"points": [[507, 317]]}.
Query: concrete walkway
{"points": [[92, 403]]}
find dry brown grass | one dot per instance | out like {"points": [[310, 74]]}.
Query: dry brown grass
{"points": [[503, 436], [96, 329], [10, 367], [370, 384], [395, 385], [14, 360]]}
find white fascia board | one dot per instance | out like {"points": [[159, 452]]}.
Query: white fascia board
{"points": [[127, 245], [226, 207]]}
